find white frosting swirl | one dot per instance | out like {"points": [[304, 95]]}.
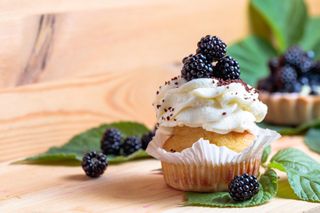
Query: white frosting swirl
{"points": [[204, 103]]}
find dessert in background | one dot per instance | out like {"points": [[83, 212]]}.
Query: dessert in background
{"points": [[207, 132], [292, 89]]}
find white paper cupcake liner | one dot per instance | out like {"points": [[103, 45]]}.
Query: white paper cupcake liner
{"points": [[204, 152]]}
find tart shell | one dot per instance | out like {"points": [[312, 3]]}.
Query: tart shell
{"points": [[290, 109]]}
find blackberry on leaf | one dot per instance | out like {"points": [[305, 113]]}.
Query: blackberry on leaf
{"points": [[111, 141], [196, 66], [243, 187], [212, 47], [94, 164], [146, 138], [227, 68], [131, 145]]}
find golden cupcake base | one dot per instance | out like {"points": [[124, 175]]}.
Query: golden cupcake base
{"points": [[290, 109], [206, 177]]}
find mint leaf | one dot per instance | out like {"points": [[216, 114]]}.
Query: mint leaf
{"points": [[286, 20], [285, 130], [72, 152], [305, 186], [312, 140], [311, 40], [294, 159], [268, 189], [252, 53], [265, 154], [303, 172]]}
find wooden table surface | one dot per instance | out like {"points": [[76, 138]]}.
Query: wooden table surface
{"points": [[134, 186]]}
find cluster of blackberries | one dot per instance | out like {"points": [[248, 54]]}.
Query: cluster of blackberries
{"points": [[291, 71], [210, 50], [243, 187], [112, 143]]}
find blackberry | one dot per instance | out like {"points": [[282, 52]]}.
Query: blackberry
{"points": [[212, 47], [315, 68], [274, 64], [293, 56], [266, 84], [130, 145], [243, 187], [227, 68], [146, 138], [196, 66], [305, 64], [111, 141], [94, 164], [286, 77]]}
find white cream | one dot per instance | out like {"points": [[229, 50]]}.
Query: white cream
{"points": [[204, 103]]}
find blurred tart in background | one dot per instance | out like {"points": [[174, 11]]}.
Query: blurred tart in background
{"points": [[292, 90]]}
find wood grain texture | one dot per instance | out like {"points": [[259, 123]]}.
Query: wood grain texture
{"points": [[70, 65], [43, 115], [76, 39], [135, 186]]}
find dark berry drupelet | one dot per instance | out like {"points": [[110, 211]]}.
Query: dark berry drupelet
{"points": [[227, 68], [212, 47], [130, 145], [196, 66], [243, 187], [94, 164], [111, 141], [146, 138]]}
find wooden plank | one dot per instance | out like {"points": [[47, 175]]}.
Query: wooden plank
{"points": [[134, 186], [70, 40], [36, 117], [99, 40]]}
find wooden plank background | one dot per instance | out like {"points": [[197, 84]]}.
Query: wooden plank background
{"points": [[69, 65]]}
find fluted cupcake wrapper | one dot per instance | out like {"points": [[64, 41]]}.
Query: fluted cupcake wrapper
{"points": [[205, 166]]}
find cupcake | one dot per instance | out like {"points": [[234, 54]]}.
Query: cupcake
{"points": [[292, 90], [207, 132]]}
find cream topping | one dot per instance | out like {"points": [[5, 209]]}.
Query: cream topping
{"points": [[207, 103]]}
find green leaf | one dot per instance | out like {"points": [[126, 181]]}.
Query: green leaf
{"points": [[252, 53], [312, 139], [285, 130], [72, 152], [268, 189], [311, 39], [294, 159], [305, 185], [286, 20], [303, 172], [265, 154]]}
